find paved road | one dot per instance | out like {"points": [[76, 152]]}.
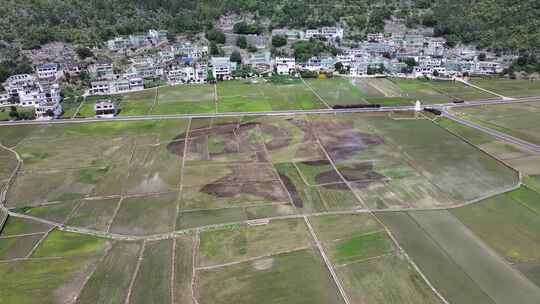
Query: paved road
{"points": [[499, 135], [271, 113]]}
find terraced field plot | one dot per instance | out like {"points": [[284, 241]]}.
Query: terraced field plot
{"points": [[509, 87], [242, 96], [519, 120]]}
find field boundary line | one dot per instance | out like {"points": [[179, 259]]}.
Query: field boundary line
{"points": [[135, 273], [390, 253], [316, 94], [173, 270], [155, 103], [91, 273], [482, 89], [34, 248], [251, 259], [195, 257], [329, 265], [216, 97], [78, 108], [430, 237], [19, 235]]}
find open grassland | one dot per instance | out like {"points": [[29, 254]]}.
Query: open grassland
{"points": [[459, 265], [260, 95], [509, 223], [338, 91], [509, 87], [295, 277], [185, 99], [519, 120]]}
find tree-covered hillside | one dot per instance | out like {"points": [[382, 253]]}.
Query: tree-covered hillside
{"points": [[497, 24]]}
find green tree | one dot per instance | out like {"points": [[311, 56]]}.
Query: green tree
{"points": [[241, 42], [236, 57], [279, 41]]}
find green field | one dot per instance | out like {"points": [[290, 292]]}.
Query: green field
{"points": [[519, 120], [185, 99], [523, 160], [338, 91], [459, 265], [242, 96], [509, 87], [246, 242], [296, 277], [509, 223]]}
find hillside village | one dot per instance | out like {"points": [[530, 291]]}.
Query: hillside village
{"points": [[137, 62]]}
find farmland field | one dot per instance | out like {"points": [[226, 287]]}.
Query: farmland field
{"points": [[220, 210], [519, 120], [509, 87], [338, 91], [185, 99], [241, 96]]}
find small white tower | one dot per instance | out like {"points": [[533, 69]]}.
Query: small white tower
{"points": [[418, 106]]}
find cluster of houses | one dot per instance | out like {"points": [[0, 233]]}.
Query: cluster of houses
{"points": [[406, 55], [40, 91]]}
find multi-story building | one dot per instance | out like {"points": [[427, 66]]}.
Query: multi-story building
{"points": [[105, 109], [101, 70], [196, 74], [222, 68], [106, 87], [285, 65], [50, 71], [330, 33]]}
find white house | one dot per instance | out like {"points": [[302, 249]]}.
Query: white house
{"points": [[375, 37], [222, 68], [48, 71], [187, 74], [105, 109], [101, 70], [330, 33], [124, 85], [285, 65]]}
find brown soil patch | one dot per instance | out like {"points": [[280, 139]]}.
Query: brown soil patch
{"points": [[361, 172], [271, 191], [295, 196], [328, 177]]}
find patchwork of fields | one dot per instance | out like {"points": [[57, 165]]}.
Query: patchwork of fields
{"points": [[344, 208]]}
